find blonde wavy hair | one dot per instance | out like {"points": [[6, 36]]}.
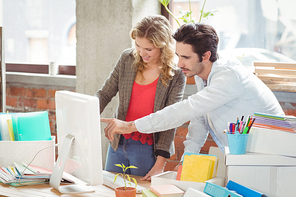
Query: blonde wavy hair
{"points": [[158, 30]]}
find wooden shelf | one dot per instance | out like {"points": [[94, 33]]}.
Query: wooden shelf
{"points": [[278, 76]]}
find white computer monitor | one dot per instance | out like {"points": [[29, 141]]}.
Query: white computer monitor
{"points": [[79, 138]]}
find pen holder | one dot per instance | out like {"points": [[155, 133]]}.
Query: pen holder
{"points": [[237, 143]]}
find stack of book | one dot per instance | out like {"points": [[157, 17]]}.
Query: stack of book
{"points": [[21, 174], [283, 123]]}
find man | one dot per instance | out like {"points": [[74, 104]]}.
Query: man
{"points": [[226, 91]]}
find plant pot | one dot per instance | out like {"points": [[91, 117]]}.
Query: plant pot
{"points": [[129, 192]]}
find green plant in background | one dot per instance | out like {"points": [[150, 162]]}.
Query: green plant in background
{"points": [[126, 177], [186, 16]]}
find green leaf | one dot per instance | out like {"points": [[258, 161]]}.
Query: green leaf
{"points": [[116, 177], [135, 181], [123, 166], [128, 177], [131, 167], [184, 13], [205, 15], [165, 2], [118, 165], [185, 16]]}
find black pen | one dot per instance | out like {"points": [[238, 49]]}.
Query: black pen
{"points": [[251, 125]]}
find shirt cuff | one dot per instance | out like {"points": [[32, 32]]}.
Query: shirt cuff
{"points": [[162, 153], [143, 125]]}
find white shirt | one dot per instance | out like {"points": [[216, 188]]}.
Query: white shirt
{"points": [[231, 91]]}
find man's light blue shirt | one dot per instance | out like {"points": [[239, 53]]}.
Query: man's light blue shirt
{"points": [[230, 92]]}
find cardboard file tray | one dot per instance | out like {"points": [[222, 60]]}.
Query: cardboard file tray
{"points": [[24, 151]]}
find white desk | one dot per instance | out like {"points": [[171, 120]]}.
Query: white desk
{"points": [[46, 190]]}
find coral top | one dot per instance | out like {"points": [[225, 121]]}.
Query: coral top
{"points": [[141, 104]]}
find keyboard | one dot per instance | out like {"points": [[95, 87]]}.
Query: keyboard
{"points": [[108, 180]]}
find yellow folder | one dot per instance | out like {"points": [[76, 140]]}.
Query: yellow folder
{"points": [[199, 167], [10, 127]]}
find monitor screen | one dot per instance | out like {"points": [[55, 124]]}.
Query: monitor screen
{"points": [[79, 138]]}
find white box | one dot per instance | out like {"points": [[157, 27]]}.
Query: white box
{"points": [[273, 175], [169, 177], [190, 192], [270, 141], [24, 151]]}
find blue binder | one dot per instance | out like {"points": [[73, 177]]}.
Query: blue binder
{"points": [[218, 191], [242, 190]]}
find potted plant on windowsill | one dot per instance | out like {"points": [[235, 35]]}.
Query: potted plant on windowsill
{"points": [[125, 191], [186, 16]]}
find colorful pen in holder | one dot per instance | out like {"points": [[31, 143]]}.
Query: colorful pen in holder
{"points": [[237, 135]]}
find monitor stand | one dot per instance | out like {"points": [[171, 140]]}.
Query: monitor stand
{"points": [[58, 170]]}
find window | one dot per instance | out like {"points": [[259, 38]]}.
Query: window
{"points": [[252, 25], [39, 32]]}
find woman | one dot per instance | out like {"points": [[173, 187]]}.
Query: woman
{"points": [[147, 80]]}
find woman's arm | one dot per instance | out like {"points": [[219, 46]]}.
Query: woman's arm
{"points": [[111, 85]]}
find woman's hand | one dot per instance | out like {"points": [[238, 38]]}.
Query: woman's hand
{"points": [[156, 169], [117, 126]]}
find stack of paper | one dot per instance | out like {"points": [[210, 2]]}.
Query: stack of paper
{"points": [[169, 190], [21, 174], [283, 123], [198, 167]]}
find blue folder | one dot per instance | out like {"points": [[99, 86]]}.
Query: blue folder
{"points": [[31, 126], [218, 191], [242, 190]]}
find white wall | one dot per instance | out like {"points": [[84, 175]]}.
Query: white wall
{"points": [[1, 13]]}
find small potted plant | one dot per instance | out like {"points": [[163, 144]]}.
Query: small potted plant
{"points": [[125, 191]]}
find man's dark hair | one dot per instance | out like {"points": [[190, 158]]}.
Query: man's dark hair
{"points": [[201, 37]]}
